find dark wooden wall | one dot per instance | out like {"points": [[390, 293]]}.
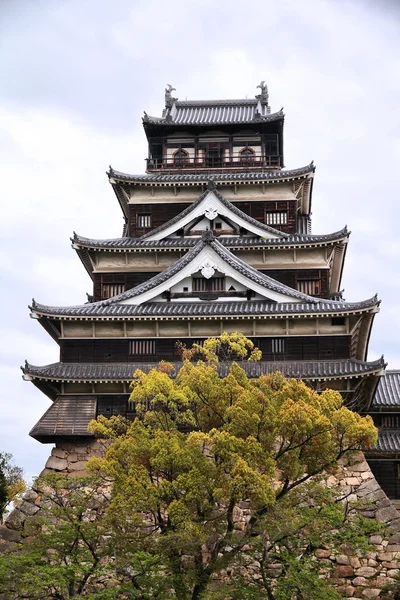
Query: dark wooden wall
{"points": [[296, 348], [128, 280], [160, 214], [257, 211], [387, 475]]}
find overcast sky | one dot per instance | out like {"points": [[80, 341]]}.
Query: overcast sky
{"points": [[76, 77]]}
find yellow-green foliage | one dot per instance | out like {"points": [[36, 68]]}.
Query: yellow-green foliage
{"points": [[203, 443]]}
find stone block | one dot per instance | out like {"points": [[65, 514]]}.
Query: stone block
{"points": [[343, 571], [9, 535], [56, 464], [355, 562], [388, 513], [352, 481], [72, 457], [384, 502], [30, 495], [347, 591], [15, 519], [393, 548], [371, 593], [320, 553], [380, 581], [85, 474], [375, 539], [78, 466], [360, 467], [360, 581], [342, 559], [366, 572], [59, 453], [28, 508]]}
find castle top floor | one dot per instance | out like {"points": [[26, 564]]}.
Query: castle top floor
{"points": [[215, 135]]}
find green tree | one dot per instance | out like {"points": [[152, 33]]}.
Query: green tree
{"points": [[203, 445], [12, 483], [216, 481]]}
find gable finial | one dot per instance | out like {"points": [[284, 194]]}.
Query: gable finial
{"points": [[207, 236], [169, 100]]}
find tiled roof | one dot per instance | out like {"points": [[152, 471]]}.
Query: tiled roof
{"points": [[67, 416], [229, 242], [213, 308], [151, 178], [124, 371], [214, 112], [231, 208], [389, 439], [236, 263], [388, 390]]}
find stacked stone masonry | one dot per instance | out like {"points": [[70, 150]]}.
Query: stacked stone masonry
{"points": [[354, 576]]}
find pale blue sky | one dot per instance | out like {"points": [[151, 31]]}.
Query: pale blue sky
{"points": [[77, 75]]}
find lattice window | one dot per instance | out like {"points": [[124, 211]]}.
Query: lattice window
{"points": [[109, 290], [147, 347], [276, 217], [278, 345], [144, 221], [312, 287], [215, 284], [199, 284]]}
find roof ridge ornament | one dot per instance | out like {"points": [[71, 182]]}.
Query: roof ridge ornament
{"points": [[211, 185], [264, 95], [169, 100]]}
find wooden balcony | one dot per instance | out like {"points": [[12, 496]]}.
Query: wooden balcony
{"points": [[211, 164]]}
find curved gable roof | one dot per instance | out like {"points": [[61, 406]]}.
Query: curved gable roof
{"points": [[233, 210]]}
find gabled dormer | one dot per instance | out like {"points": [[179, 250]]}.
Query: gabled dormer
{"points": [[215, 135]]}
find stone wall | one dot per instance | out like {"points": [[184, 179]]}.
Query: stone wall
{"points": [[355, 576]]}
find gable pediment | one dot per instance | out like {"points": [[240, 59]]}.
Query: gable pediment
{"points": [[210, 259], [211, 206]]}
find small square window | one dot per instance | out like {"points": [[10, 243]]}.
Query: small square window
{"points": [[144, 221], [185, 290], [218, 225]]}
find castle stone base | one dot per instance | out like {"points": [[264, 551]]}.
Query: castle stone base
{"points": [[354, 577]]}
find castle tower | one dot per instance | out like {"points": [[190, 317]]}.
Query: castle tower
{"points": [[217, 238]]}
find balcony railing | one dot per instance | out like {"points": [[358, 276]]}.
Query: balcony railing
{"points": [[233, 162]]}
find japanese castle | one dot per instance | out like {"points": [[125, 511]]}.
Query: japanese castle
{"points": [[217, 237]]}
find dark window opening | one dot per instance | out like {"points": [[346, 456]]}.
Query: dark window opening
{"points": [[247, 155], [214, 157], [338, 321], [218, 225], [181, 158]]}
